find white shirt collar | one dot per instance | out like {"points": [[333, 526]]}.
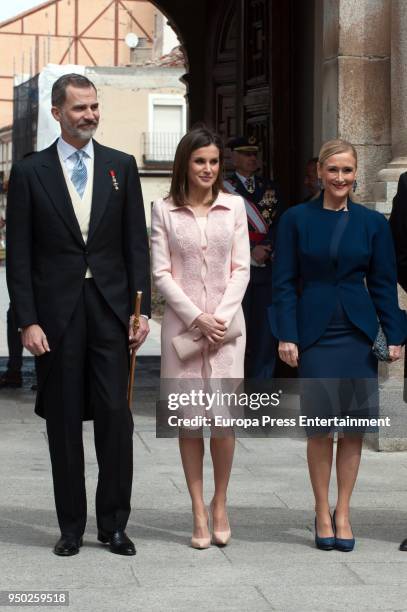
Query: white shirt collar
{"points": [[243, 179], [66, 150]]}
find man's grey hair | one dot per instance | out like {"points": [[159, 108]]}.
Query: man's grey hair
{"points": [[58, 95]]}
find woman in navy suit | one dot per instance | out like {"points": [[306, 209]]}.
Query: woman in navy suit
{"points": [[341, 254]]}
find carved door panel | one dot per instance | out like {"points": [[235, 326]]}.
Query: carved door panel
{"points": [[226, 115], [252, 80], [242, 75], [225, 75], [257, 117], [257, 39]]}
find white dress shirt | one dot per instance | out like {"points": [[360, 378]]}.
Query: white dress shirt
{"points": [[65, 151], [243, 179]]}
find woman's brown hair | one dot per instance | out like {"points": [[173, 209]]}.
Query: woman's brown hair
{"points": [[196, 138]]}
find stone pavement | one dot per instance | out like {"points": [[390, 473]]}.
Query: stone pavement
{"points": [[271, 562]]}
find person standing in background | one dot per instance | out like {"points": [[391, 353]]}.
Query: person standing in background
{"points": [[11, 377], [311, 182], [398, 225], [263, 205]]}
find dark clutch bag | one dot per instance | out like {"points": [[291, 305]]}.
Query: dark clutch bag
{"points": [[380, 347]]}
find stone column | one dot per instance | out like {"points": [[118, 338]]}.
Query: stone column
{"points": [[391, 391], [387, 178], [355, 78]]}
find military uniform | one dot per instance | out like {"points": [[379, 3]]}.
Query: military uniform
{"points": [[263, 206]]}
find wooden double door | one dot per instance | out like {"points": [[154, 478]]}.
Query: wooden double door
{"points": [[249, 71], [256, 51]]}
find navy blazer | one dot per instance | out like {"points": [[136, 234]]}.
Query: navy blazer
{"points": [[362, 275]]}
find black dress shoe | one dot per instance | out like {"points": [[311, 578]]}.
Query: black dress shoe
{"points": [[403, 545], [118, 542], [11, 380], [67, 546]]}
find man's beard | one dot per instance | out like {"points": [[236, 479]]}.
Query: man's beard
{"points": [[83, 133]]}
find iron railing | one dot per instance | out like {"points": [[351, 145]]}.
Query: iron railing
{"points": [[160, 147]]}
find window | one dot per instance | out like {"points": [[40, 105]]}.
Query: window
{"points": [[167, 125]]}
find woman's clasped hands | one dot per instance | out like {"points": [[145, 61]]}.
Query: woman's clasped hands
{"points": [[211, 327]]}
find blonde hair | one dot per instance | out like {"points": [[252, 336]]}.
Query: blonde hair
{"points": [[333, 147]]}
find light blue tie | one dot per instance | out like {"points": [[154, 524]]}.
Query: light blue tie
{"points": [[80, 174]]}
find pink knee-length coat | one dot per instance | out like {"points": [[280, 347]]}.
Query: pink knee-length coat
{"points": [[195, 279]]}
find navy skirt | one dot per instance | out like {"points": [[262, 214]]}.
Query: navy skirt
{"points": [[338, 378]]}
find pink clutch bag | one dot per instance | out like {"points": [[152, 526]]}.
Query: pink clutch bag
{"points": [[186, 346]]}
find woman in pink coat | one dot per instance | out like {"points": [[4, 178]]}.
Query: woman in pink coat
{"points": [[201, 265]]}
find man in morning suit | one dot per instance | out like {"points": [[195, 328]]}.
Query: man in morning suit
{"points": [[77, 252], [263, 207], [398, 225]]}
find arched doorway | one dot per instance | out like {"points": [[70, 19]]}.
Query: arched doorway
{"points": [[250, 66]]}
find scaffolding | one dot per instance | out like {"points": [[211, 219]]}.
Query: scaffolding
{"points": [[25, 110]]}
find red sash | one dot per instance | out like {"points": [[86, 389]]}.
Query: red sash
{"points": [[255, 218], [256, 237]]}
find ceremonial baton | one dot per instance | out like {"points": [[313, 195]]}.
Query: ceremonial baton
{"points": [[136, 325]]}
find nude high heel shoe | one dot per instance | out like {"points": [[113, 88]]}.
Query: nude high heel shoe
{"points": [[201, 543], [220, 538]]}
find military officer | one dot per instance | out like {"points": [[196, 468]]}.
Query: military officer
{"points": [[263, 207]]}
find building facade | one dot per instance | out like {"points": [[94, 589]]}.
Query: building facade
{"points": [[298, 73], [71, 32], [292, 73], [124, 46], [143, 112]]}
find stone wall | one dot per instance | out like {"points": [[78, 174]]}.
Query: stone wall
{"points": [[356, 102]]}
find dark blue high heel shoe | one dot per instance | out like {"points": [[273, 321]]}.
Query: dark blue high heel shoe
{"points": [[342, 544], [323, 543]]}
